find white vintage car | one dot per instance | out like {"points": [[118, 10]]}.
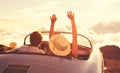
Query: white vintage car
{"points": [[89, 60]]}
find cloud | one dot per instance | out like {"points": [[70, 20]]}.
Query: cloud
{"points": [[112, 27], [87, 13], [107, 39], [99, 40]]}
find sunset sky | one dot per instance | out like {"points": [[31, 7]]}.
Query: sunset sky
{"points": [[97, 19]]}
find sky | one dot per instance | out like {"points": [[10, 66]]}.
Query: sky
{"points": [[99, 20]]}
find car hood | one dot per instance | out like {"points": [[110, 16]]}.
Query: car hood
{"points": [[45, 64]]}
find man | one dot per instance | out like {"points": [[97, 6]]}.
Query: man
{"points": [[35, 43]]}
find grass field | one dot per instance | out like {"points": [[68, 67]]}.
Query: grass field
{"points": [[113, 66], [111, 54]]}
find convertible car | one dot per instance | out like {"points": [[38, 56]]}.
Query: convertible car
{"points": [[89, 60]]}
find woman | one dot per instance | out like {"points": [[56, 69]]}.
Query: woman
{"points": [[74, 48]]}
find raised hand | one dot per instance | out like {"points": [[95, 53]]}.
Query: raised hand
{"points": [[53, 18], [70, 15]]}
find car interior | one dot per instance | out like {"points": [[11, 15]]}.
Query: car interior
{"points": [[83, 53]]}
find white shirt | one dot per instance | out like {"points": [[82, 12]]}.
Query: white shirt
{"points": [[30, 49]]}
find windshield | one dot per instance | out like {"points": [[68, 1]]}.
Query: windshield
{"points": [[81, 39]]}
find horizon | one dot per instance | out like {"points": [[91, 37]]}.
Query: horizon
{"points": [[99, 20]]}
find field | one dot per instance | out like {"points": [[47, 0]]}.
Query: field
{"points": [[111, 54], [113, 66]]}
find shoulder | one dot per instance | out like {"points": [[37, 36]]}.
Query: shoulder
{"points": [[43, 52], [22, 48], [30, 49]]}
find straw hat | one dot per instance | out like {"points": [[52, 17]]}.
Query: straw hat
{"points": [[59, 45]]}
